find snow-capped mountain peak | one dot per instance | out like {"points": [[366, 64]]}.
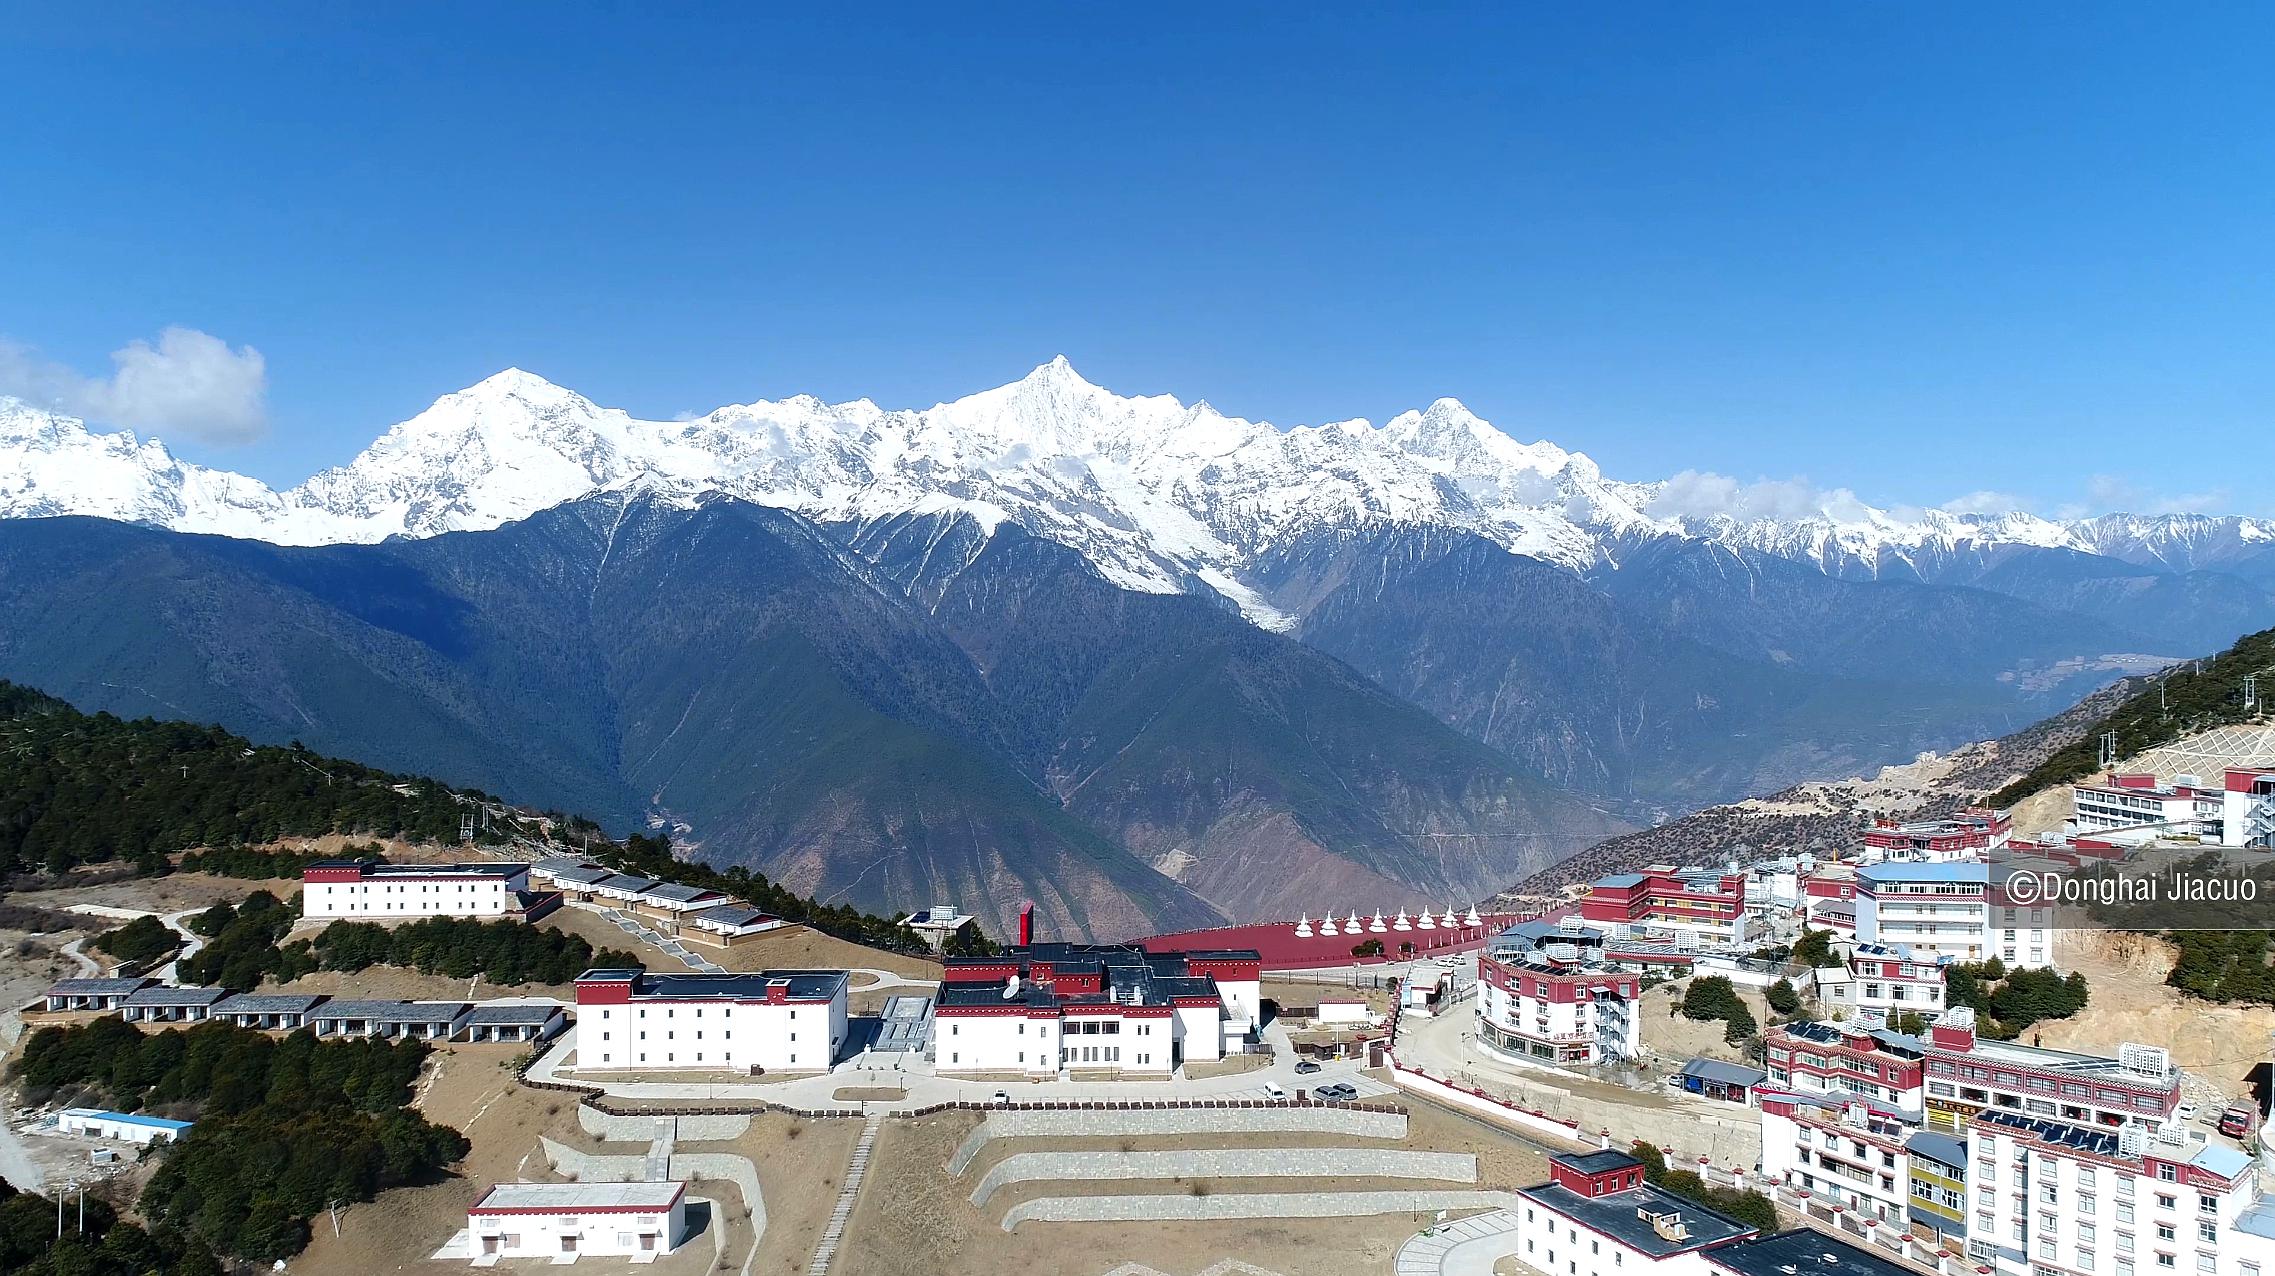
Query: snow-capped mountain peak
{"points": [[1159, 494]]}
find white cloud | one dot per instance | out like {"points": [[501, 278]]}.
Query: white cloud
{"points": [[2117, 495], [189, 385], [1702, 494], [1986, 502]]}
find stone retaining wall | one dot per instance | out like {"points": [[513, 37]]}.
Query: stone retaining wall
{"points": [[643, 1128], [1386, 1163], [1361, 1123], [1180, 1206]]}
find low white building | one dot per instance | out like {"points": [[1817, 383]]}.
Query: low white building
{"points": [[126, 1127], [1885, 980], [1597, 1217], [562, 1222], [367, 890], [1043, 1009], [760, 1021]]}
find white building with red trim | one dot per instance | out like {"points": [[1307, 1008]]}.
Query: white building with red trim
{"points": [[1968, 1074], [367, 890], [563, 1222], [1856, 1059], [1597, 1217], [2183, 810], [1963, 835], [1881, 980], [2055, 1199], [1686, 905], [759, 1021], [1851, 1152], [1115, 1011], [2247, 807], [1552, 1004]]}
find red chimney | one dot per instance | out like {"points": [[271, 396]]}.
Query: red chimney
{"points": [[1026, 923]]}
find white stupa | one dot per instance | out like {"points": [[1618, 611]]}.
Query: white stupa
{"points": [[1401, 923], [1451, 922], [1352, 926], [1428, 922], [1376, 926], [1473, 919], [1327, 926], [1303, 927]]}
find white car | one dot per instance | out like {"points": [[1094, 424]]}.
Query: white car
{"points": [[1000, 1099], [1273, 1092]]}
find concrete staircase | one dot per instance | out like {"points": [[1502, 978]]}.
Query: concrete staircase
{"points": [[855, 1170], [655, 939]]}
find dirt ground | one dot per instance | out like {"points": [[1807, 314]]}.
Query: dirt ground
{"points": [[2219, 1045], [472, 1087], [1306, 996], [914, 1218], [799, 946], [169, 894], [1678, 1039], [401, 984]]}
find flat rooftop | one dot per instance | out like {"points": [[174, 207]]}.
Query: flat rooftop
{"points": [[573, 1197], [1620, 1215], [1802, 1253], [801, 985]]}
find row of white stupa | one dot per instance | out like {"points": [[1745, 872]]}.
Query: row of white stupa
{"points": [[1353, 926]]}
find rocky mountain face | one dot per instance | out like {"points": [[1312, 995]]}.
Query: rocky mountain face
{"points": [[1620, 639], [1132, 762]]}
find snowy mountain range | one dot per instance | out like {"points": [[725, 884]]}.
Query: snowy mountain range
{"points": [[1160, 496]]}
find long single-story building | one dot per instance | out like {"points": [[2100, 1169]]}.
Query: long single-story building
{"points": [[93, 994], [727, 925], [162, 1003], [1732, 1082], [534, 1021], [126, 1127], [277, 1011], [563, 1222], [364, 1017]]}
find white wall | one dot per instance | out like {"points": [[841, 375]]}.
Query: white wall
{"points": [[609, 1235], [711, 1035], [395, 896]]}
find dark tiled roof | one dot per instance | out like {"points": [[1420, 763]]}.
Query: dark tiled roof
{"points": [[802, 985], [490, 1016], [1802, 1253], [1620, 1215], [94, 987], [162, 995], [1724, 1073]]}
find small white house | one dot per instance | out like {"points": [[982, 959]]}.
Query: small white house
{"points": [[563, 1222], [126, 1127]]}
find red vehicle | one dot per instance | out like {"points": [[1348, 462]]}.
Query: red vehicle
{"points": [[2238, 1120]]}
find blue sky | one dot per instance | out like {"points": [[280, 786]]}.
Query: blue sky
{"points": [[1915, 251]]}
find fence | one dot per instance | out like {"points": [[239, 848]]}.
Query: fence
{"points": [[754, 1107]]}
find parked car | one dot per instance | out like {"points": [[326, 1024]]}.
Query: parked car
{"points": [[1273, 1091], [2185, 1112], [1000, 1098], [1337, 1093], [2237, 1121], [1306, 1068]]}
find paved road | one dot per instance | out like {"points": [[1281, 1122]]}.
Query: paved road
{"points": [[1467, 1247]]}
